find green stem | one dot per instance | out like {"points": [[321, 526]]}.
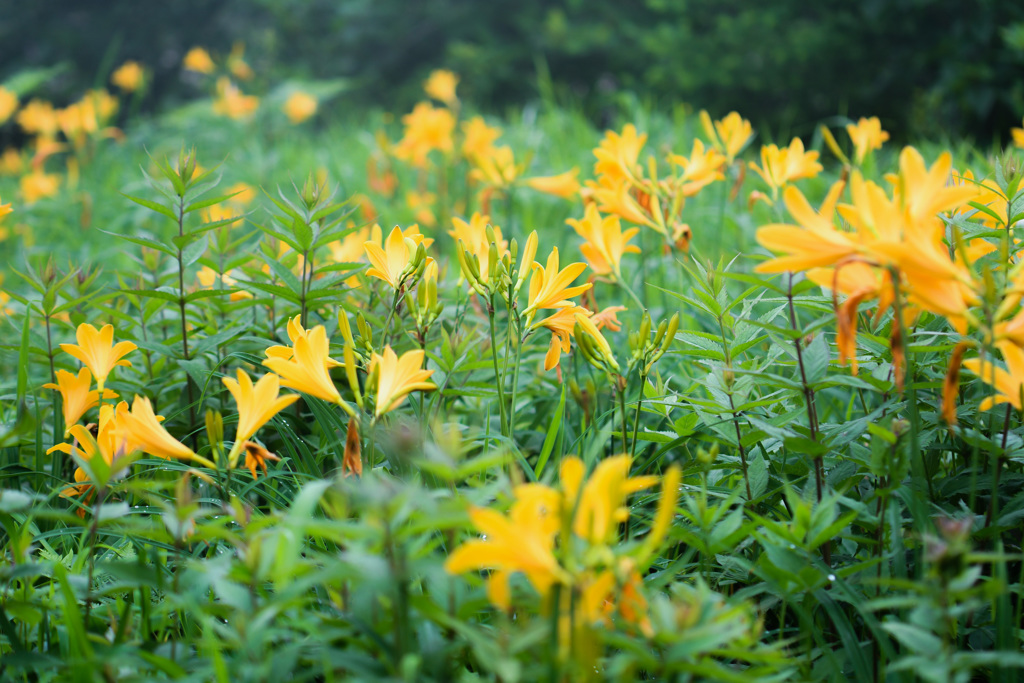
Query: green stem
{"points": [[636, 415], [916, 454], [498, 379]]}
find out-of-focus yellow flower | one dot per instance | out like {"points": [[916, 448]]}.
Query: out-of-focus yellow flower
{"points": [[4, 210], [608, 318], [700, 169], [398, 377], [478, 138], [1009, 383], [11, 162], [561, 324], [497, 169], [38, 185], [76, 396], [474, 236], [729, 135], [257, 403], [1018, 135], [231, 102], [620, 198], [564, 185], [5, 299], [129, 76], [244, 194], [8, 104], [441, 85], [300, 106], [393, 262], [208, 278], [237, 64], [97, 351], [198, 59], [38, 118], [141, 426], [815, 243], [427, 128], [867, 135], [421, 204], [782, 166], [606, 242], [602, 501], [551, 287], [926, 192], [306, 367], [349, 249], [617, 154]]}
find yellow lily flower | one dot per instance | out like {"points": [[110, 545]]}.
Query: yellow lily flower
{"points": [[866, 135], [561, 324], [38, 185], [426, 129], [96, 349], [782, 166], [1008, 383], [478, 138], [474, 236], [926, 192], [700, 169], [606, 242], [602, 501], [256, 457], [617, 154], [497, 169], [8, 104], [728, 135], [814, 243], [564, 185], [620, 198], [441, 85], [129, 76], [299, 106], [550, 287], [141, 426], [198, 59], [398, 377], [1018, 135], [257, 403], [392, 263], [76, 397], [307, 368]]}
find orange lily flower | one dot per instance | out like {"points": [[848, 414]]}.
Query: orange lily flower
{"points": [[96, 349]]}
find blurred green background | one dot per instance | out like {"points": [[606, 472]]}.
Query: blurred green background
{"points": [[928, 68]]}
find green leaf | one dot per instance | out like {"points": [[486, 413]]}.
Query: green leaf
{"points": [[153, 206], [552, 434]]}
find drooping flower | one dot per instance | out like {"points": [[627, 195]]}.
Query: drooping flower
{"points": [[306, 369], [729, 135], [561, 324], [551, 287], [76, 396], [441, 85], [97, 351], [300, 106], [867, 135], [129, 76], [198, 59], [606, 242], [564, 185], [257, 403], [398, 377], [256, 457]]}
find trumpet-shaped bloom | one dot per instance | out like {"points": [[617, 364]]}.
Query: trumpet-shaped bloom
{"points": [[307, 368], [728, 135], [617, 154], [564, 185], [398, 377], [814, 243], [441, 85], [867, 135], [1008, 383], [621, 198], [257, 403], [925, 192], [606, 242], [561, 324], [299, 106], [782, 166], [700, 169], [76, 396], [141, 426], [551, 287], [97, 351], [392, 263]]}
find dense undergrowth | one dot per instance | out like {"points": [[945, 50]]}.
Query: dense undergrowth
{"points": [[673, 423]]}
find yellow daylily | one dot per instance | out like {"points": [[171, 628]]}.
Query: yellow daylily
{"points": [[473, 235], [232, 102], [398, 377], [256, 457], [782, 166], [814, 243], [728, 135], [1008, 383], [198, 59], [39, 185], [1018, 135], [550, 287], [606, 242], [866, 135], [257, 403], [129, 76], [602, 501], [141, 426], [8, 104], [427, 128], [299, 106], [700, 169], [561, 324], [76, 396], [307, 368], [496, 169], [478, 138], [564, 185], [617, 154], [38, 118], [441, 85], [393, 263], [97, 351]]}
